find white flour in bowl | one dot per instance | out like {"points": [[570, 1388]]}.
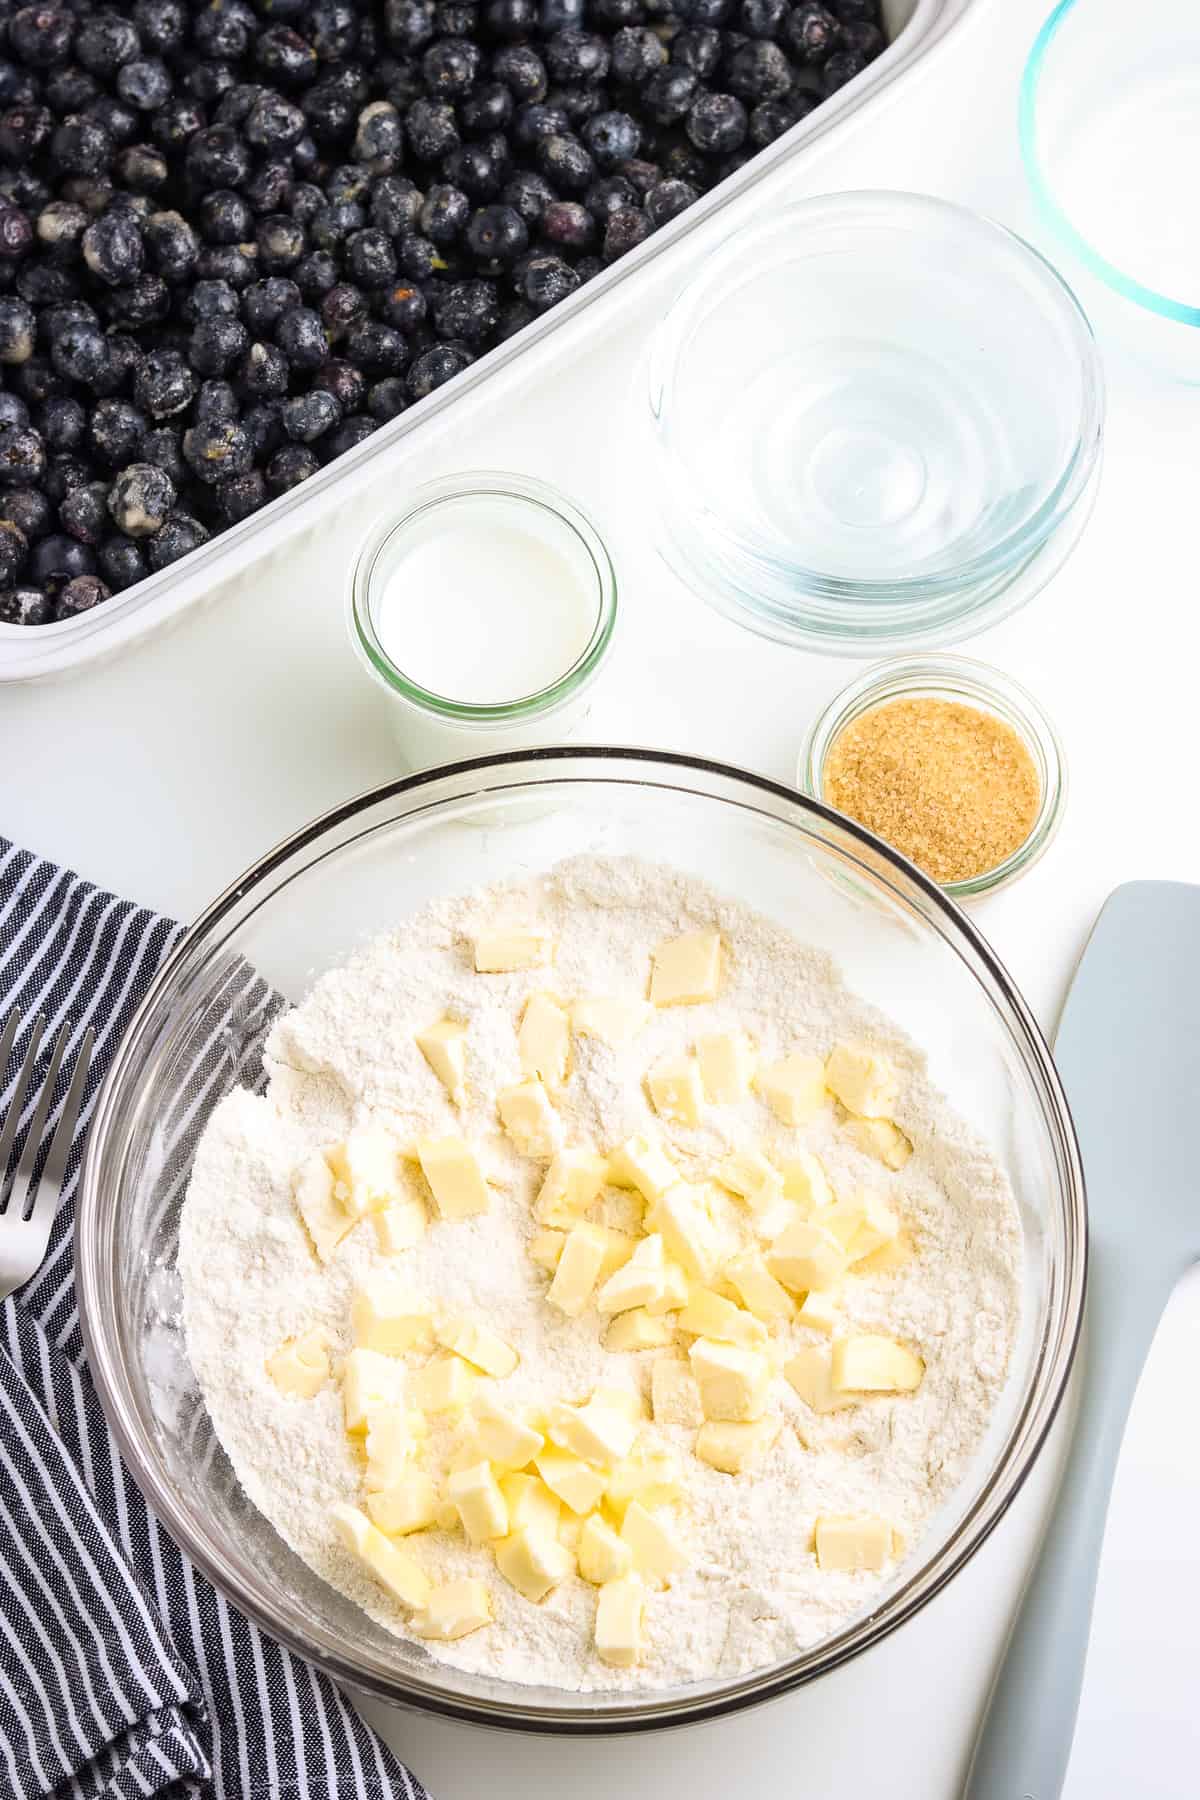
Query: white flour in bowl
{"points": [[752, 1591]]}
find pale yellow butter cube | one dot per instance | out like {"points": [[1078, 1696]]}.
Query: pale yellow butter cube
{"points": [[571, 1184], [806, 1256], [504, 1438], [872, 1364], [544, 1040], [809, 1372], [877, 1226], [640, 1281], [455, 1178], [444, 1385], [757, 1288], [546, 1248], [638, 1329], [325, 1219], [369, 1380], [454, 1609], [576, 1484], [529, 1119], [626, 1400], [615, 1021], [533, 1563], [401, 1225], [394, 1435], [674, 1393], [531, 1505], [603, 1555], [366, 1174], [794, 1088], [475, 1495], [805, 1182], [478, 1346], [620, 1612], [711, 1315], [409, 1505], [687, 970], [731, 1447], [599, 1434], [619, 1246], [505, 949], [753, 1178], [578, 1269], [300, 1366], [642, 1163], [444, 1047], [657, 1553], [727, 1064], [649, 1476], [393, 1568], [683, 1220], [385, 1317], [864, 1082], [853, 1541], [889, 1257], [676, 1091], [675, 1290], [733, 1382], [819, 1311], [882, 1139]]}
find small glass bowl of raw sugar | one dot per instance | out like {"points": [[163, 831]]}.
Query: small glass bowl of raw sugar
{"points": [[951, 762], [485, 607]]}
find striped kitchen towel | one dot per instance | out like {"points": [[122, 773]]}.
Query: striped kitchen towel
{"points": [[122, 1671]]}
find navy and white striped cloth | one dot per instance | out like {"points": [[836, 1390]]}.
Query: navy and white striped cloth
{"points": [[122, 1671]]}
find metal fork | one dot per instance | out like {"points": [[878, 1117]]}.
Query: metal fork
{"points": [[27, 1207]]}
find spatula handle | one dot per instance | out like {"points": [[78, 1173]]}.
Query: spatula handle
{"points": [[1025, 1744]]}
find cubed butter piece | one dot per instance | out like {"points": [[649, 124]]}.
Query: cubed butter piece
{"points": [[819, 1310], [683, 1220], [575, 1482], [444, 1385], [733, 1447], [864, 1082], [620, 1611], [675, 1290], [410, 1504], [674, 1393], [475, 1496], [733, 1382], [603, 1554], [599, 1434], [711, 1315], [504, 1438], [544, 1040], [727, 1064], [444, 1047], [619, 1246], [809, 1372], [393, 1568], [369, 1381], [529, 1119], [578, 1269], [676, 1091], [504, 949], [531, 1505], [853, 1541], [805, 1182], [649, 1476], [533, 1563], [642, 1163], [638, 1330], [453, 1609], [325, 1219], [657, 1553], [546, 1247], [366, 1175], [877, 1225], [401, 1225], [385, 1317], [640, 1281], [687, 970], [869, 1363], [571, 1184], [300, 1366], [889, 1257], [612, 1019], [806, 1256], [455, 1178], [394, 1435], [757, 1288], [478, 1346], [794, 1088], [882, 1139]]}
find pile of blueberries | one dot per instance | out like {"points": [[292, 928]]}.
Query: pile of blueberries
{"points": [[237, 238]]}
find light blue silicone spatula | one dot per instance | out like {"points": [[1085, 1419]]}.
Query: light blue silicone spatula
{"points": [[1128, 1051]]}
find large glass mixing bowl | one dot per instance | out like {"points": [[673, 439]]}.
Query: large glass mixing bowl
{"points": [[360, 868]]}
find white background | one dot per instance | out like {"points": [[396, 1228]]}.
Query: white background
{"points": [[163, 774]]}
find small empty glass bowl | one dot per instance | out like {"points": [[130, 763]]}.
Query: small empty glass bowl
{"points": [[1110, 136], [872, 411]]}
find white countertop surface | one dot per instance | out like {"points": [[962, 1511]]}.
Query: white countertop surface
{"points": [[165, 773]]}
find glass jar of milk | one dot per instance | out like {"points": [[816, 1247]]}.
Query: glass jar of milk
{"points": [[486, 610]]}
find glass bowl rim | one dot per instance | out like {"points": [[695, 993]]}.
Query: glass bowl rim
{"points": [[669, 342], [1035, 1415], [1056, 218], [966, 680]]}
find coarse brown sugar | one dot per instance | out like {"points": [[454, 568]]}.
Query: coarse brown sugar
{"points": [[953, 787]]}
